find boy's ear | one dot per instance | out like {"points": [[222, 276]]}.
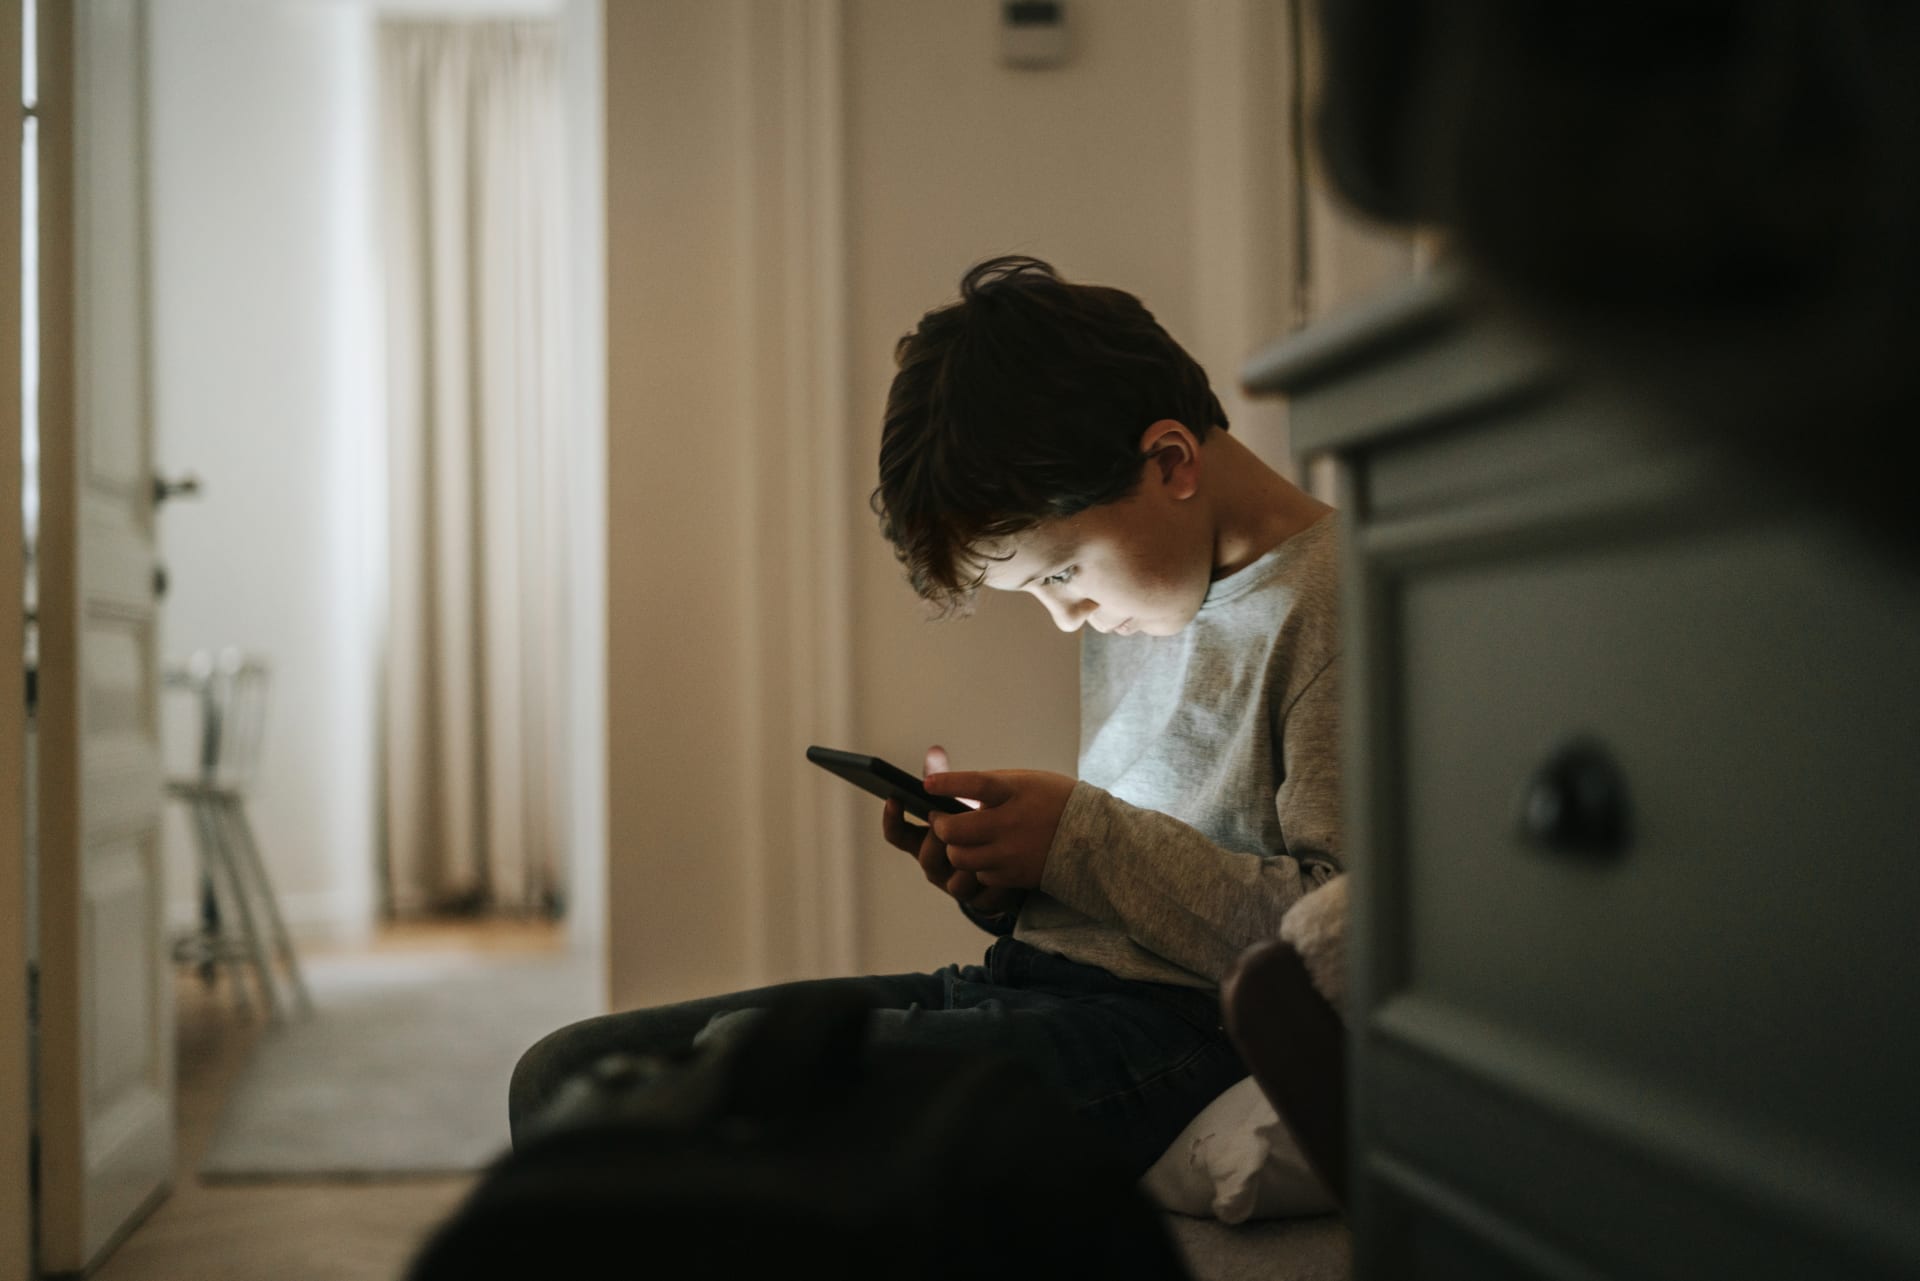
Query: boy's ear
{"points": [[1173, 451]]}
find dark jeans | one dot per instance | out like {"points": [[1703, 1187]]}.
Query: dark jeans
{"points": [[1141, 1059]]}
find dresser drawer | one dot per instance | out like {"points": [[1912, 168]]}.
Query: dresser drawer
{"points": [[1749, 948], [1675, 1036]]}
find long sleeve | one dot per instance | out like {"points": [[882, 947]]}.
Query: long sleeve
{"points": [[1179, 895], [1209, 793]]}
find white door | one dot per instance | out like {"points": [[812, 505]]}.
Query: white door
{"points": [[106, 1018]]}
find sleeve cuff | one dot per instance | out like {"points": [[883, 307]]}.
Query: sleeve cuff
{"points": [[1081, 838]]}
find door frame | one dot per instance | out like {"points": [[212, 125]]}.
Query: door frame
{"points": [[16, 1119]]}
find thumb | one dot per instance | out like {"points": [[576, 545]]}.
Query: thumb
{"points": [[937, 763]]}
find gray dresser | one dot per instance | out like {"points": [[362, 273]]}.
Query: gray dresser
{"points": [[1633, 802]]}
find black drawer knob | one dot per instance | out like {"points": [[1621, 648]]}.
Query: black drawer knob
{"points": [[1576, 802]]}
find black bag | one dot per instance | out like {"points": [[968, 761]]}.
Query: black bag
{"points": [[796, 1147]]}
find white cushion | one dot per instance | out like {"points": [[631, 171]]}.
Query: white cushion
{"points": [[1234, 1162]]}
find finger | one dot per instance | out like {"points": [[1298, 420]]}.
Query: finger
{"points": [[987, 788], [963, 886], [937, 763], [977, 827], [933, 861], [936, 869], [900, 834], [978, 859]]}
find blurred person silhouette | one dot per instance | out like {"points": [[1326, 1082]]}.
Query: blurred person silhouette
{"points": [[1717, 201]]}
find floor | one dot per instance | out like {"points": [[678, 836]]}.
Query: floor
{"points": [[289, 1232]]}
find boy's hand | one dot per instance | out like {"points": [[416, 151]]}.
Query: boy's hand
{"points": [[931, 852], [1005, 842]]}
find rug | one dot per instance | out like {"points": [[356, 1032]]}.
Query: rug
{"points": [[401, 1070]]}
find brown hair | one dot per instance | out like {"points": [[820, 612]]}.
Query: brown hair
{"points": [[1022, 402]]}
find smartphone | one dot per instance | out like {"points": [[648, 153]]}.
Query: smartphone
{"points": [[889, 782]]}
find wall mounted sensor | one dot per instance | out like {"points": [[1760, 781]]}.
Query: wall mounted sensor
{"points": [[1033, 33]]}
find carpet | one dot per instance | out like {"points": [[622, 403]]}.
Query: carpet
{"points": [[1316, 1249], [401, 1070]]}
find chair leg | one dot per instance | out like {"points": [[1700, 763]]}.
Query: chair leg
{"points": [[231, 865], [211, 869], [209, 924], [249, 851]]}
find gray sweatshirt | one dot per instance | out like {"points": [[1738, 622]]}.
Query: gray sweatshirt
{"points": [[1209, 792]]}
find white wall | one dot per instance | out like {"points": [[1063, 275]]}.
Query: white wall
{"points": [[953, 158], [265, 387], [268, 385], [870, 154], [587, 713]]}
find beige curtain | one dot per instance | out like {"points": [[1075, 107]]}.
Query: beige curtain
{"points": [[473, 219]]}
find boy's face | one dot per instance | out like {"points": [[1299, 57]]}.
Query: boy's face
{"points": [[1138, 565]]}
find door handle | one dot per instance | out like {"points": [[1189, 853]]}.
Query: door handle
{"points": [[1576, 802], [188, 486]]}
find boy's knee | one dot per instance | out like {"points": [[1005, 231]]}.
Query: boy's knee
{"points": [[726, 1027], [537, 1076], [546, 1067]]}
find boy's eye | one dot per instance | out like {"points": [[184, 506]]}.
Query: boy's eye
{"points": [[1063, 576]]}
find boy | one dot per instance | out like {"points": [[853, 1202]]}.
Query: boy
{"points": [[1050, 438]]}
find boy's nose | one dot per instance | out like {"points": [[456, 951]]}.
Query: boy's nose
{"points": [[1069, 614]]}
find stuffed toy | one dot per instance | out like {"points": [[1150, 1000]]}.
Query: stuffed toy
{"points": [[1316, 928]]}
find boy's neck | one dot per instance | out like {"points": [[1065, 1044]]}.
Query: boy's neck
{"points": [[1254, 507]]}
